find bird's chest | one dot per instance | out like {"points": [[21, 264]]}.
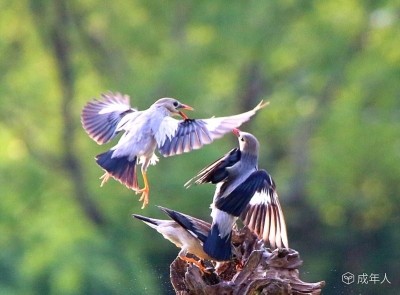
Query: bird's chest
{"points": [[139, 140]]}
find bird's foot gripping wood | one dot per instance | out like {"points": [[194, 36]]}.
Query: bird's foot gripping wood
{"points": [[200, 266], [104, 178], [263, 272]]}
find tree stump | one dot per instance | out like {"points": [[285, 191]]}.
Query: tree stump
{"points": [[254, 269]]}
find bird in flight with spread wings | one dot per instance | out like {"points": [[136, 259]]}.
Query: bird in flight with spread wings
{"points": [[243, 191], [145, 131]]}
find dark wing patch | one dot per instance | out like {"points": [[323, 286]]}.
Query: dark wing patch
{"points": [[216, 171], [235, 202], [196, 227], [100, 117], [192, 134], [263, 215]]}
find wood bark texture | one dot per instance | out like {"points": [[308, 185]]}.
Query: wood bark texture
{"points": [[254, 269]]}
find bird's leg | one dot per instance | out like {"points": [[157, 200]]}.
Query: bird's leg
{"points": [[145, 191], [104, 178]]}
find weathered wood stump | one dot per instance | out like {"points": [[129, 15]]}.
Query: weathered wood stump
{"points": [[253, 270]]}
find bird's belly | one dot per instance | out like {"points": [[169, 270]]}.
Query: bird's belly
{"points": [[147, 148], [143, 146]]}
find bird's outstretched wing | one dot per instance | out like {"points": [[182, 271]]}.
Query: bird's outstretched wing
{"points": [[216, 171], [256, 202], [177, 137], [100, 118]]}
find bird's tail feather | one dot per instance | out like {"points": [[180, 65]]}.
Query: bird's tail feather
{"points": [[218, 247], [149, 221], [120, 168], [194, 226]]}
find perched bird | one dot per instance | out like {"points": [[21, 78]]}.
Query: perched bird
{"points": [[186, 232], [144, 131], [242, 191]]}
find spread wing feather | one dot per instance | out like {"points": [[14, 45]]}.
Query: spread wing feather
{"points": [[264, 216], [216, 171], [199, 132], [100, 118]]}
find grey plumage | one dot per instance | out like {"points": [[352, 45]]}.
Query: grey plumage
{"points": [[243, 191], [186, 232], [145, 131]]}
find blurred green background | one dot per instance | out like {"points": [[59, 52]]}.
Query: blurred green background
{"points": [[330, 137]]}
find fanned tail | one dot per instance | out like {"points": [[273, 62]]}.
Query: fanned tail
{"points": [[120, 168]]}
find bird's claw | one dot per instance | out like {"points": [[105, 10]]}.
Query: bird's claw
{"points": [[104, 178], [144, 197], [200, 266]]}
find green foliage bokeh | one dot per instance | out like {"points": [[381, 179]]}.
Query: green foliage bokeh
{"points": [[330, 137]]}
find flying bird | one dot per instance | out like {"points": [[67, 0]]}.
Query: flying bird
{"points": [[145, 131], [243, 191], [186, 232]]}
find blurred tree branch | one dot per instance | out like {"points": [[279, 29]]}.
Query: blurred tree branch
{"points": [[57, 34], [307, 127]]}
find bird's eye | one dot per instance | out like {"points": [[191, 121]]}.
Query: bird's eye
{"points": [[242, 139], [176, 103]]}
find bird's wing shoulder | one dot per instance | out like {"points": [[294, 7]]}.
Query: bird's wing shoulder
{"points": [[264, 216], [182, 136], [166, 130], [100, 118], [192, 134], [236, 201], [216, 171]]}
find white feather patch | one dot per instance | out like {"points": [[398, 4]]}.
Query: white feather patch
{"points": [[114, 108], [262, 197], [224, 221], [166, 130]]}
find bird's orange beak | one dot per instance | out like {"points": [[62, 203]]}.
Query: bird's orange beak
{"points": [[185, 107], [236, 132]]}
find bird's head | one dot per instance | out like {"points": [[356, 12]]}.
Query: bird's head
{"points": [[173, 106], [248, 143]]}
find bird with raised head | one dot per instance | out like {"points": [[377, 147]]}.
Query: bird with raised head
{"points": [[242, 191]]}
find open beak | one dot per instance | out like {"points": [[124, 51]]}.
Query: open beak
{"points": [[236, 132], [185, 107]]}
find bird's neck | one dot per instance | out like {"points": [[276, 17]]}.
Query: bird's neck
{"points": [[247, 164], [162, 111], [249, 160]]}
